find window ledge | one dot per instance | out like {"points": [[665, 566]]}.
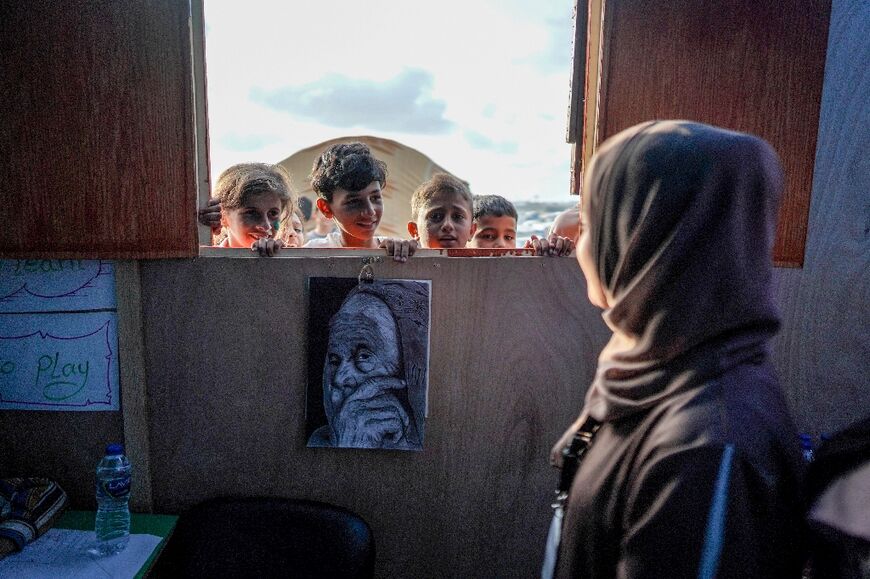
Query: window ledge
{"points": [[209, 251]]}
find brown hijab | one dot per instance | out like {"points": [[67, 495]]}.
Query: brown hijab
{"points": [[681, 219]]}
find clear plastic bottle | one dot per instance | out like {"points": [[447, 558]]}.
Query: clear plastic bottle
{"points": [[113, 495]]}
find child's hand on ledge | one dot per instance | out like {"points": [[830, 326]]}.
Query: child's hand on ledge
{"points": [[210, 215], [400, 249], [266, 246], [553, 246]]}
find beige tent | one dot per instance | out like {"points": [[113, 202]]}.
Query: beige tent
{"points": [[406, 169]]}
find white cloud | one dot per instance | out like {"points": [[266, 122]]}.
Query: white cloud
{"points": [[402, 103], [490, 76]]}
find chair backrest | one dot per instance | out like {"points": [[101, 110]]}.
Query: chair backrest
{"points": [[268, 537]]}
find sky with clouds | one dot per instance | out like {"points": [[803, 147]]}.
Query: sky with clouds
{"points": [[480, 86]]}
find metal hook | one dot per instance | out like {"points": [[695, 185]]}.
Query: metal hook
{"points": [[367, 273]]}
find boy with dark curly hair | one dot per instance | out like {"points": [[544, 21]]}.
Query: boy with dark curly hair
{"points": [[348, 181]]}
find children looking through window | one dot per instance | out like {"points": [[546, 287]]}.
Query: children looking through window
{"points": [[495, 220], [292, 230], [254, 207], [250, 202], [348, 181], [441, 213]]}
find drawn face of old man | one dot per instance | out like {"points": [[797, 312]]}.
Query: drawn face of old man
{"points": [[364, 395]]}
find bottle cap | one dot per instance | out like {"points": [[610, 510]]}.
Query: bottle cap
{"points": [[115, 448]]}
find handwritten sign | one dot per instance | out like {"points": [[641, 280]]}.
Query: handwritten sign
{"points": [[51, 285], [58, 335]]}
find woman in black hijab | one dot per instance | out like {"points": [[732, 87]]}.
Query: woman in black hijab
{"points": [[692, 469]]}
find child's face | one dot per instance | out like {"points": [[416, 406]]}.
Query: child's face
{"points": [[295, 236], [253, 220], [443, 223], [495, 232], [357, 213]]}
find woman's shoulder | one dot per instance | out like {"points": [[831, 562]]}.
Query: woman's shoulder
{"points": [[743, 409]]}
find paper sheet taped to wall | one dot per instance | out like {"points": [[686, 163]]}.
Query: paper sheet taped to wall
{"points": [[56, 285], [58, 335]]}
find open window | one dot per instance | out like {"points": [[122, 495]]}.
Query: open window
{"points": [[107, 153], [491, 113]]}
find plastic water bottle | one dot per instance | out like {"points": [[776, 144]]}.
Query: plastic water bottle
{"points": [[113, 496], [807, 447]]}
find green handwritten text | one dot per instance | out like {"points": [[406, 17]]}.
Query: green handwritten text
{"points": [[64, 380]]}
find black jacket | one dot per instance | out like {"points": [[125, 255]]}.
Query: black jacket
{"points": [[706, 484]]}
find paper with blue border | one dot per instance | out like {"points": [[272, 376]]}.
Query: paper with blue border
{"points": [[58, 335], [56, 285]]}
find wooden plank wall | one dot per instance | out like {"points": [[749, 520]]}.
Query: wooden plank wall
{"points": [[743, 64], [62, 446], [513, 346], [823, 350], [96, 130]]}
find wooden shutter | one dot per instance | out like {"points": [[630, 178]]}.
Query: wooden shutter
{"points": [[97, 129], [748, 65]]}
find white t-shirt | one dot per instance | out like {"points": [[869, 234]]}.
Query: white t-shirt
{"points": [[332, 240]]}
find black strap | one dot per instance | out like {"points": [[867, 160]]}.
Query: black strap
{"points": [[572, 455]]}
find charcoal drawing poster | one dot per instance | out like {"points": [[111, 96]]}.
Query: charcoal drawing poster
{"points": [[368, 363]]}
